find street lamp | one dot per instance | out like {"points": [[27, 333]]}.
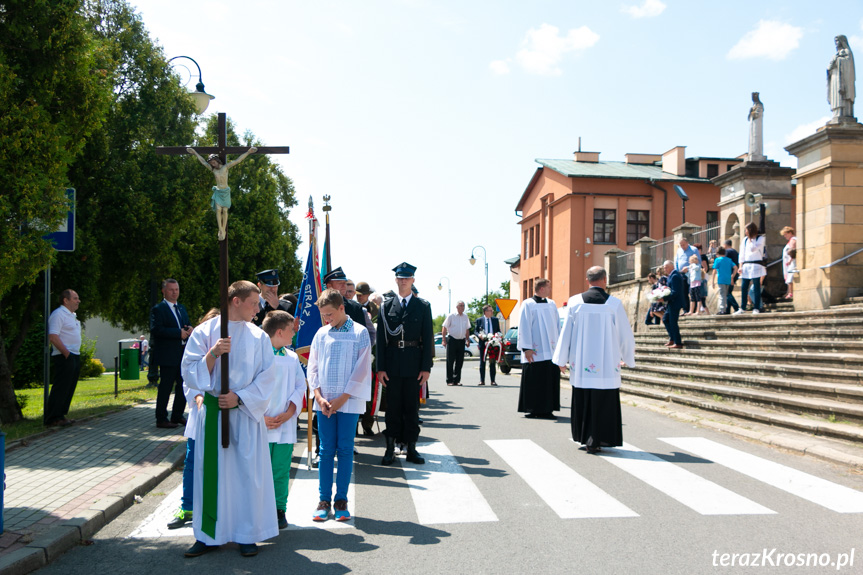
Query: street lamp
{"points": [[199, 96], [449, 293], [485, 259]]}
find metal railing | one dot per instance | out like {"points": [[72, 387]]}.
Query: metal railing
{"points": [[663, 250], [704, 235], [625, 268], [842, 260]]}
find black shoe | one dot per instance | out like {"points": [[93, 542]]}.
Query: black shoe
{"points": [[283, 521], [167, 425], [546, 416], [420, 421], [482, 383], [530, 416], [368, 432], [390, 454], [594, 450], [181, 518], [413, 456], [248, 549], [181, 421], [198, 549]]}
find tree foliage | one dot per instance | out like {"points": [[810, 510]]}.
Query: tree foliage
{"points": [[85, 97]]}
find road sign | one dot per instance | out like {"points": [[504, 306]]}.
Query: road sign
{"points": [[506, 306], [64, 238]]}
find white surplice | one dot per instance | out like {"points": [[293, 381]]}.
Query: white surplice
{"points": [[246, 498], [594, 340], [538, 328], [290, 388], [340, 361]]}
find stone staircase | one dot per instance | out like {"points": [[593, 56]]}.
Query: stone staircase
{"points": [[800, 370]]}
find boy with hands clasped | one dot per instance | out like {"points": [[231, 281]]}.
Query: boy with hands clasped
{"points": [[339, 371]]}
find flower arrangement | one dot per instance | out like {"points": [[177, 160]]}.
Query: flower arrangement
{"points": [[659, 293], [493, 344]]}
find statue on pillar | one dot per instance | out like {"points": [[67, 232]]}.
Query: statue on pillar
{"points": [[756, 130], [840, 82]]}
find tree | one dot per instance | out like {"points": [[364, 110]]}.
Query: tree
{"points": [[53, 93], [474, 308]]}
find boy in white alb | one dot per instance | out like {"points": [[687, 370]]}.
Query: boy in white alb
{"points": [[233, 487], [340, 376], [285, 405]]}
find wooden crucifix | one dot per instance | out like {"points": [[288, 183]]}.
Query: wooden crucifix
{"points": [[221, 202]]}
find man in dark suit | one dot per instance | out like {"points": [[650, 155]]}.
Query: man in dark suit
{"points": [[169, 330], [486, 325], [405, 343], [268, 300], [676, 302]]}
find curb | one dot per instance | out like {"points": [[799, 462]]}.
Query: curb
{"points": [[47, 546]]}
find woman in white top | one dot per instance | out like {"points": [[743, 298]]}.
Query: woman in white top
{"points": [[789, 259], [752, 253]]}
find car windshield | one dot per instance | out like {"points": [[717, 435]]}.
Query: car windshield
{"points": [[513, 332]]}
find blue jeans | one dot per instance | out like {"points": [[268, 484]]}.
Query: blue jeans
{"points": [[188, 475], [744, 293], [337, 437]]}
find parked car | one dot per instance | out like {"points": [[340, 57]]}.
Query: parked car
{"points": [[440, 351], [511, 355]]}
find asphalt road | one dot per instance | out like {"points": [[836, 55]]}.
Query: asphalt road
{"points": [[517, 495]]}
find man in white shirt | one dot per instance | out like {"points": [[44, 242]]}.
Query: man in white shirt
{"points": [[538, 329], [64, 333], [454, 334], [596, 340]]}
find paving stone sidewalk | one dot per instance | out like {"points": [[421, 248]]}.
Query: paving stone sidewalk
{"points": [[63, 487]]}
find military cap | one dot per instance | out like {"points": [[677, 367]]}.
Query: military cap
{"points": [[269, 277], [404, 270], [335, 275]]}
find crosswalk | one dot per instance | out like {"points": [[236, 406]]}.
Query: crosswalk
{"points": [[443, 493]]}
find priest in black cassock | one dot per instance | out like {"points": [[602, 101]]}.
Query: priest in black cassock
{"points": [[596, 340], [538, 328]]}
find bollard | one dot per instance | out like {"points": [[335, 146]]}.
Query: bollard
{"points": [[2, 476]]}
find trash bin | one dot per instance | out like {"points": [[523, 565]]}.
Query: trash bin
{"points": [[129, 367]]}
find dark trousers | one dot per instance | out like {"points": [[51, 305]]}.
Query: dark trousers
{"points": [[744, 292], [403, 406], [651, 319], [170, 380], [670, 321], [482, 362], [64, 378], [454, 359]]}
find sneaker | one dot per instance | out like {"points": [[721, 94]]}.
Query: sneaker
{"points": [[341, 510], [322, 513], [181, 517], [738, 312], [756, 311], [283, 521]]}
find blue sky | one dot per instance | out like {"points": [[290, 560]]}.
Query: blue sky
{"points": [[422, 119]]}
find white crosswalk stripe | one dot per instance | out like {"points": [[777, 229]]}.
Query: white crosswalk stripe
{"points": [[694, 491], [820, 491], [441, 490], [569, 494]]}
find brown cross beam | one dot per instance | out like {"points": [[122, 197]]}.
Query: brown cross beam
{"points": [[223, 150]]}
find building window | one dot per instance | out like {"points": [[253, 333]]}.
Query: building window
{"points": [[712, 219], [538, 249], [530, 287], [531, 241], [526, 246], [525, 294], [637, 225], [712, 170], [729, 167], [603, 227]]}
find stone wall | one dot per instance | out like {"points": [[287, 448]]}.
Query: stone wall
{"points": [[633, 295]]}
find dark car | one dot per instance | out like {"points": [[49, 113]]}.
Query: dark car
{"points": [[511, 355]]}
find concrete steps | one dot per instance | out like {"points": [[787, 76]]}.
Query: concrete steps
{"points": [[802, 370]]}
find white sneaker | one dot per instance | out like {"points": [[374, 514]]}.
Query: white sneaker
{"points": [[755, 311], [738, 312]]}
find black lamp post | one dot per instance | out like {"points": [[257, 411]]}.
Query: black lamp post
{"points": [[485, 259], [199, 96]]}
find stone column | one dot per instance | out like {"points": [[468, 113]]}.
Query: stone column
{"points": [[644, 257], [829, 215], [611, 264], [684, 230]]}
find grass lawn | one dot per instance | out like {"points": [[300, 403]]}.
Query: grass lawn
{"points": [[92, 397]]}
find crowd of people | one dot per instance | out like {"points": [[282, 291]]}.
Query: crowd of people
{"points": [[679, 288]]}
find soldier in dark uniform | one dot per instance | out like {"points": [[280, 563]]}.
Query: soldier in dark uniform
{"points": [[405, 343], [268, 283]]}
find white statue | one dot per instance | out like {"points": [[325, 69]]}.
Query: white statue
{"points": [[840, 81], [221, 200], [756, 130]]}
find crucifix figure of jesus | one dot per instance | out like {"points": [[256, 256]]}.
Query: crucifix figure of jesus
{"points": [[221, 201]]}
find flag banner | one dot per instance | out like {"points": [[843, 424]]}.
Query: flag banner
{"points": [[307, 309]]}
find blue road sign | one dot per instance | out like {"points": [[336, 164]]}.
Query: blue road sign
{"points": [[64, 238]]}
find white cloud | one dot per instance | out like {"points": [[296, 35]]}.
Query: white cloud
{"points": [[804, 130], [648, 9], [543, 48], [857, 41], [771, 39], [499, 67]]}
